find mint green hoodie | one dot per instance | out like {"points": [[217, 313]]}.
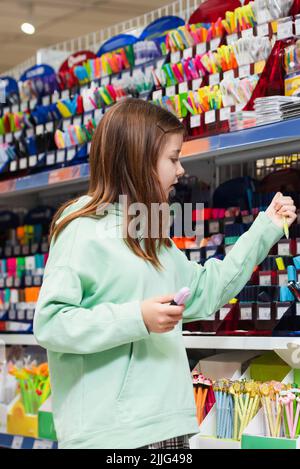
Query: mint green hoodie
{"points": [[114, 385]]}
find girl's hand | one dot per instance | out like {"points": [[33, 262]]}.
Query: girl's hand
{"points": [[159, 316], [282, 207]]}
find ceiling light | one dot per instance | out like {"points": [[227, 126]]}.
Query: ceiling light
{"points": [[28, 28]]}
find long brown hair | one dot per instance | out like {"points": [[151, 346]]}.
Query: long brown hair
{"points": [[123, 160]]}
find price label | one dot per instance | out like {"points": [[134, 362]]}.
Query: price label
{"points": [[46, 100], [195, 121], [244, 71], [39, 129], [183, 87], [50, 159], [284, 29], [263, 29], [214, 227], [126, 74], [30, 314], [195, 256], [105, 81], [240, 107], [214, 43], [13, 166], [32, 161], [282, 279], [32, 104], [45, 247], [23, 163], [297, 309], [187, 53], [225, 114], [231, 38], [12, 314], [247, 219], [247, 33], [30, 132], [17, 282], [210, 117], [21, 314], [264, 313], [77, 120], [15, 108], [223, 313], [175, 57], [196, 84], [157, 94], [201, 48], [24, 106], [28, 280], [297, 26], [214, 79], [246, 313], [70, 154], [8, 251], [66, 124], [37, 280], [298, 247], [283, 249], [170, 91], [265, 280], [17, 250], [1, 282], [65, 94], [60, 156], [98, 115], [50, 126], [8, 138], [17, 442], [280, 311], [9, 282], [229, 75], [42, 444]]}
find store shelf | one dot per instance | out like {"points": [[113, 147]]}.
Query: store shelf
{"points": [[24, 442], [238, 343], [15, 339], [45, 180], [245, 145]]}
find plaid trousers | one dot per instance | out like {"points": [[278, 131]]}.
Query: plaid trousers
{"points": [[179, 442]]}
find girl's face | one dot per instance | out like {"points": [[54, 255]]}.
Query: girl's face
{"points": [[168, 166]]}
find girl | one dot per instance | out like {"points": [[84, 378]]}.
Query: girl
{"points": [[119, 372]]}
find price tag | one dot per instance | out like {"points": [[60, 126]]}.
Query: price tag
{"points": [[229, 75], [225, 114], [8, 251], [223, 313], [39, 129], [17, 282], [30, 132], [265, 280], [1, 282], [170, 91], [23, 163], [46, 100], [89, 147], [50, 126], [77, 120], [280, 311], [13, 166], [297, 26], [30, 314], [12, 314], [297, 309], [231, 38], [28, 280], [37, 280], [98, 115], [195, 121], [195, 256], [214, 227], [50, 159], [66, 124], [263, 29], [65, 94], [8, 138], [283, 248], [247, 33], [21, 314], [201, 48], [71, 153], [24, 106], [264, 313], [187, 53], [196, 84], [17, 250], [32, 161], [214, 43], [214, 79], [45, 247], [282, 279], [210, 116], [244, 71], [32, 104], [183, 87], [240, 107], [105, 81], [284, 29], [175, 57], [246, 313], [60, 156], [157, 94], [9, 282], [17, 442], [298, 247], [42, 444], [15, 108]]}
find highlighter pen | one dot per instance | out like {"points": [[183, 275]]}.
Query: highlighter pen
{"points": [[181, 297], [285, 227]]}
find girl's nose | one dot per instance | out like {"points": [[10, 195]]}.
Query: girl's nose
{"points": [[180, 170]]}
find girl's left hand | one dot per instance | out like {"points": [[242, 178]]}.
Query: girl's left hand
{"points": [[281, 207]]}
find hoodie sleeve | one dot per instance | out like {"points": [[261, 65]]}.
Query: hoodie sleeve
{"points": [[61, 324], [217, 282]]}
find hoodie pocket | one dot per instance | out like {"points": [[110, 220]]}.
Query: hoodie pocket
{"points": [[127, 374]]}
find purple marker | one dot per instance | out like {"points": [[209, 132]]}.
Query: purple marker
{"points": [[181, 297]]}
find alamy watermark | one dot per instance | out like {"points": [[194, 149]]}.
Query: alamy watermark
{"points": [[160, 219]]}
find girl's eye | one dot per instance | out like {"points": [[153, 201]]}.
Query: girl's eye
{"points": [[174, 160]]}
